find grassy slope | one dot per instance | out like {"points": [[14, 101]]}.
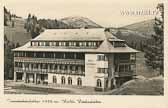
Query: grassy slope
{"points": [[145, 27], [18, 33]]}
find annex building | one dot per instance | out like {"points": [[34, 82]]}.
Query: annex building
{"points": [[81, 57]]}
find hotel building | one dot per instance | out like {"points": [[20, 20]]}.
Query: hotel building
{"points": [[81, 57]]}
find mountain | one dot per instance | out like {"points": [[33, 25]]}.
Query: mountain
{"points": [[143, 27], [137, 33], [53, 24], [78, 22]]}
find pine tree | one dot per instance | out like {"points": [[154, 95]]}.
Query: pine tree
{"points": [[154, 52]]}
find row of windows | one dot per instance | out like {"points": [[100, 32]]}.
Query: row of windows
{"points": [[102, 70], [102, 57], [63, 80], [125, 68], [77, 44], [59, 55], [79, 81], [50, 66]]}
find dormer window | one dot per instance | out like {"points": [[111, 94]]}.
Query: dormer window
{"points": [[119, 44]]}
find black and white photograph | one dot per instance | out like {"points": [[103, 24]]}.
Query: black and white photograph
{"points": [[78, 47]]}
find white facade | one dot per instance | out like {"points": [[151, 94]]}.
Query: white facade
{"points": [[87, 57]]}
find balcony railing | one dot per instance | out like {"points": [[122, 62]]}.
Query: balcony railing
{"points": [[125, 61], [45, 71], [50, 60], [123, 74], [102, 75]]}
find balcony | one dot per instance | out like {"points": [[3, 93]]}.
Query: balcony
{"points": [[125, 62], [50, 60], [124, 74], [104, 75], [45, 71]]}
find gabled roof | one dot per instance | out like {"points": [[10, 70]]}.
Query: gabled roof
{"points": [[95, 35]]}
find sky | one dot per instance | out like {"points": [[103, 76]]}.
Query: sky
{"points": [[104, 12]]}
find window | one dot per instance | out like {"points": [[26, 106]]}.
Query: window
{"points": [[62, 43], [89, 44], [26, 65], [121, 68], [132, 56], [44, 66], [127, 68], [34, 54], [51, 43], [63, 68], [102, 57], [67, 43], [124, 68], [119, 44], [69, 80], [72, 43], [16, 64], [77, 44], [79, 81], [34, 43], [102, 70], [74, 69], [57, 43], [42, 43], [35, 66], [80, 43], [94, 44], [99, 84], [47, 43], [54, 79], [63, 80], [84, 43]]}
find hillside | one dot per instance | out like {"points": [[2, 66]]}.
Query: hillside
{"points": [[143, 27], [53, 24], [17, 34], [137, 33], [79, 22]]}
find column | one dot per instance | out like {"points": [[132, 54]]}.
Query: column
{"points": [[29, 66], [38, 66], [114, 83], [35, 78], [58, 68], [79, 70], [15, 77], [48, 65], [68, 68], [23, 66], [24, 77], [109, 83]]}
